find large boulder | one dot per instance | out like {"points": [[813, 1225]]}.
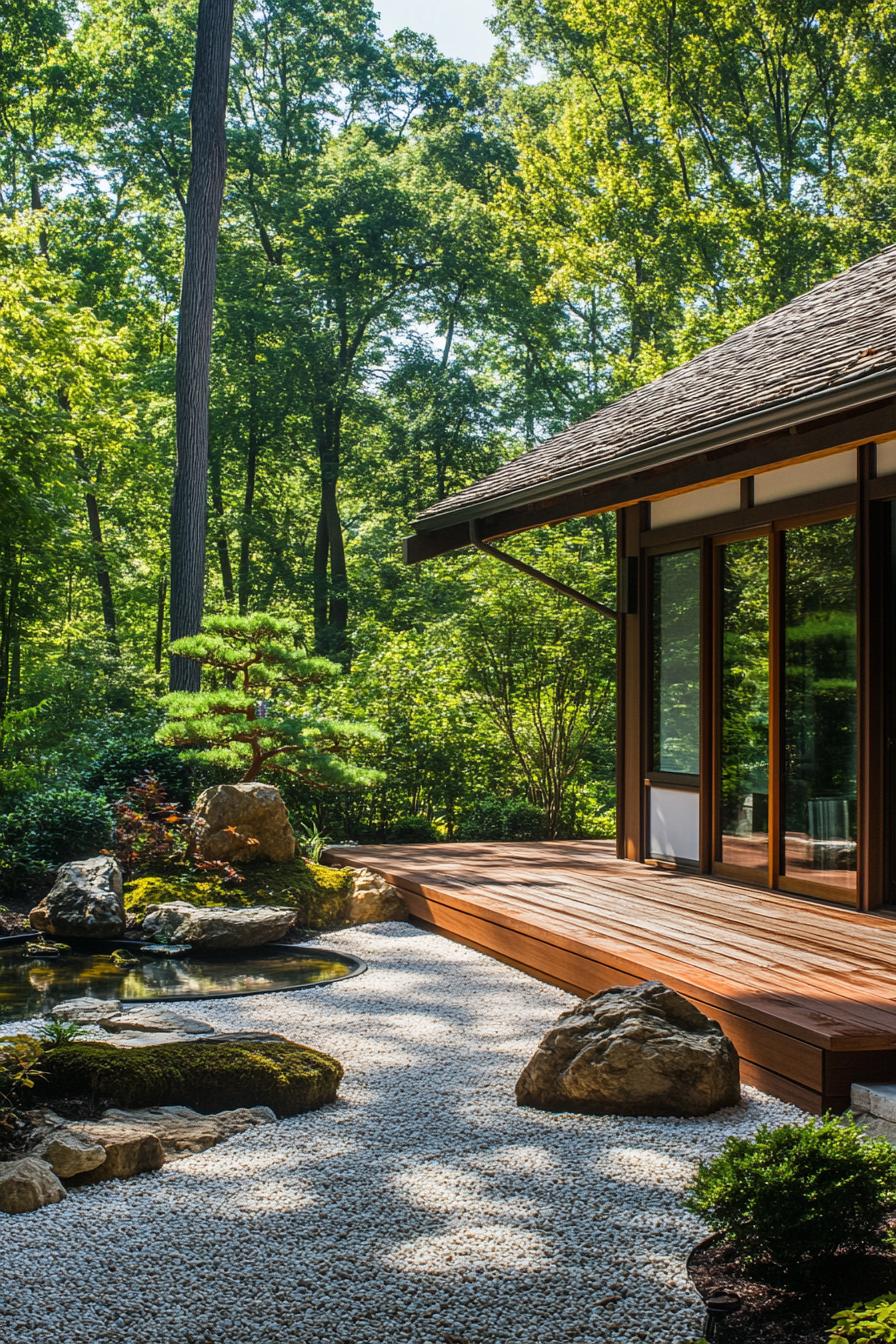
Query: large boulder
{"points": [[217, 927], [638, 1051], [28, 1183], [243, 822], [85, 901]]}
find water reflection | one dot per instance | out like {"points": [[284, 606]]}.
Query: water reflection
{"points": [[29, 987]]}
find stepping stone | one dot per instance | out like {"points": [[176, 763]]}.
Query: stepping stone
{"points": [[162, 1020], [86, 1010]]}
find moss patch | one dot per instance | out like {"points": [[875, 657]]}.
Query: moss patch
{"points": [[209, 1076], [318, 894]]}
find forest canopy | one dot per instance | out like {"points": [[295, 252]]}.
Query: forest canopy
{"points": [[424, 267]]}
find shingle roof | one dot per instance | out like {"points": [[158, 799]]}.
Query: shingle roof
{"points": [[841, 335]]}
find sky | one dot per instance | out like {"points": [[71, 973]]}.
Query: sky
{"points": [[458, 26]]}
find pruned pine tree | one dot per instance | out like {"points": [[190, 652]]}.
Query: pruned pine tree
{"points": [[265, 714]]}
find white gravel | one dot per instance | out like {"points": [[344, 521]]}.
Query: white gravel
{"points": [[424, 1208]]}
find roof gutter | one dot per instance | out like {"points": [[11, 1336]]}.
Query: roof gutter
{"points": [[781, 415]]}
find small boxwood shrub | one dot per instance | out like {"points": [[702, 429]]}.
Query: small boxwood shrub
{"points": [[207, 1075], [792, 1197], [866, 1323]]}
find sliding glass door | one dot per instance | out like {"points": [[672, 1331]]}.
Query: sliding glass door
{"points": [[743, 705], [818, 754], [784, 787]]}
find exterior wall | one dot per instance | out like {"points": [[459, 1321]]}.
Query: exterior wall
{"points": [[693, 504], [654, 825]]}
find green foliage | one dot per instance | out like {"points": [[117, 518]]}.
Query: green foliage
{"points": [[55, 1031], [264, 717], [209, 1076], [20, 1060], [425, 266], [491, 818], [312, 841], [791, 1197], [412, 830], [543, 667], [866, 1323], [47, 827], [117, 750]]}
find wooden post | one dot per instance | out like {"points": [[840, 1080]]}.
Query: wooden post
{"points": [[630, 701]]}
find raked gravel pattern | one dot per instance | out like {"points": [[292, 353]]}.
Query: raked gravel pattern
{"points": [[425, 1207]]}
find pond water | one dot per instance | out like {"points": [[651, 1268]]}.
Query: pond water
{"points": [[29, 987]]}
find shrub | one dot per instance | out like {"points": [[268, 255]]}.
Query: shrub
{"points": [[866, 1323], [19, 1069], [209, 1075], [50, 826], [152, 832], [491, 818], [116, 754], [412, 830], [794, 1196]]}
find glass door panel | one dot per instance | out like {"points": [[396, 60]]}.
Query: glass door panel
{"points": [[819, 708], [743, 701], [676, 663]]}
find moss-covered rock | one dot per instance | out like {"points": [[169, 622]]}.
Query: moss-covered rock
{"points": [[123, 960], [208, 1076], [319, 895]]}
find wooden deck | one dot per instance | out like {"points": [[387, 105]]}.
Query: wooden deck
{"points": [[806, 991]]}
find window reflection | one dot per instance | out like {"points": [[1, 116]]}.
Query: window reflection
{"points": [[676, 662], [819, 721], [743, 727]]}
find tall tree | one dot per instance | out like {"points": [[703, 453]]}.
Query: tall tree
{"points": [[208, 166]]}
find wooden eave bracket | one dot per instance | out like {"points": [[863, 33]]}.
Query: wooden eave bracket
{"points": [[563, 588]]}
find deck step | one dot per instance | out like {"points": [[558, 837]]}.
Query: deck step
{"points": [[874, 1106]]}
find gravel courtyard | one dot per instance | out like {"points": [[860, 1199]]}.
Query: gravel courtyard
{"points": [[424, 1208]]}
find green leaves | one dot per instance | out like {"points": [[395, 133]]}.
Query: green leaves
{"points": [[866, 1323], [792, 1196], [259, 720]]}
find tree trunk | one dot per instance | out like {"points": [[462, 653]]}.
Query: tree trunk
{"points": [[244, 578], [221, 532], [160, 622], [9, 584], [208, 165], [100, 563], [330, 573]]}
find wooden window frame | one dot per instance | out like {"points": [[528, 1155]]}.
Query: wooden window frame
{"points": [[665, 778], [873, 878]]}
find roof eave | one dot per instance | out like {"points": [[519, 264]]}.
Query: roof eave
{"points": [[780, 416]]}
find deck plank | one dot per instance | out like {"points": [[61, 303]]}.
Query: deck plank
{"points": [[804, 989]]}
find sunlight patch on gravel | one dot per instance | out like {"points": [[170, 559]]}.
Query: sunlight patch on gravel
{"points": [[425, 1207]]}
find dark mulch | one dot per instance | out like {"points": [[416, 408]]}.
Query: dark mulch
{"points": [[772, 1314]]}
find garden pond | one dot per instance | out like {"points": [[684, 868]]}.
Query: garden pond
{"points": [[30, 986]]}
